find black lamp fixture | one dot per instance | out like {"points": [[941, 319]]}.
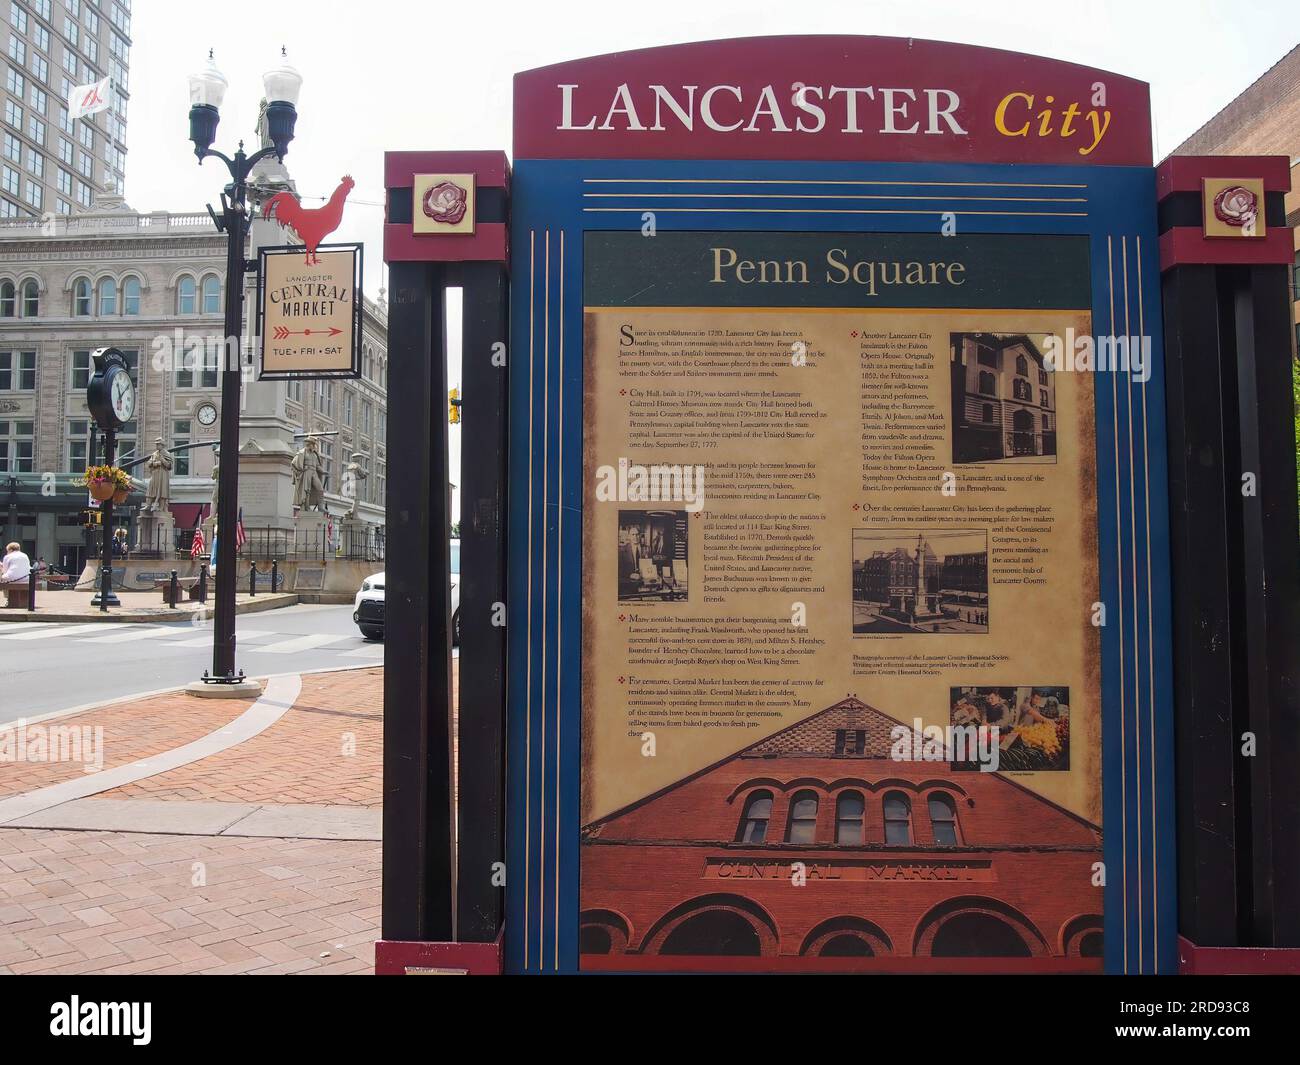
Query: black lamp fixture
{"points": [[207, 89], [282, 84]]}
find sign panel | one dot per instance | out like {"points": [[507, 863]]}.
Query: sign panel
{"points": [[839, 607], [309, 311]]}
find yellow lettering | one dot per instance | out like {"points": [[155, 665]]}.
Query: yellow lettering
{"points": [[1000, 115]]}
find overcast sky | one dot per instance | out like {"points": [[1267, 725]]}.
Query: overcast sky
{"points": [[396, 74]]}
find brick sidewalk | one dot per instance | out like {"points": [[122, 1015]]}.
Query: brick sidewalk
{"points": [[115, 902], [146, 901], [328, 749]]}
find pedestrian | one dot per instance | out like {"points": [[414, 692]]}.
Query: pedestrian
{"points": [[16, 566]]}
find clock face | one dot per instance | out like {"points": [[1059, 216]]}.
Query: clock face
{"points": [[207, 414], [122, 396]]}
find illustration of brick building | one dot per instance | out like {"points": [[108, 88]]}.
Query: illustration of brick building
{"points": [[907, 866]]}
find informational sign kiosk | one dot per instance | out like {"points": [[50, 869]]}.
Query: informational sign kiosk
{"points": [[838, 592]]}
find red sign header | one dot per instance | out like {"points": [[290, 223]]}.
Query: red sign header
{"points": [[832, 98]]}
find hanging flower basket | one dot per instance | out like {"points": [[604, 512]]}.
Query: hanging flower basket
{"points": [[107, 482]]}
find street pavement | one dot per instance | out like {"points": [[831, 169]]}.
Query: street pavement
{"points": [[53, 666], [211, 836]]}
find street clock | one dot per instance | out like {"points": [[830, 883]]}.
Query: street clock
{"points": [[207, 414], [110, 394]]}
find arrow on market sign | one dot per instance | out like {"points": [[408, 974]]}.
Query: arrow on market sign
{"points": [[281, 332]]}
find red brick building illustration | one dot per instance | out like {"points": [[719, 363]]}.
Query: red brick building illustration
{"points": [[907, 865]]}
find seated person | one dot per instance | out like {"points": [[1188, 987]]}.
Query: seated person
{"points": [[16, 565]]}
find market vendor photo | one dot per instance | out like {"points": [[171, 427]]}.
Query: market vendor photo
{"points": [[1033, 724]]}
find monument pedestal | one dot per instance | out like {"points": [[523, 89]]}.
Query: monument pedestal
{"points": [[309, 534], [155, 533]]}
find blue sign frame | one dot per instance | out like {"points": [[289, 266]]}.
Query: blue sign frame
{"points": [[554, 203]]}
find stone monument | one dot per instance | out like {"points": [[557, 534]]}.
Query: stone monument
{"points": [[155, 527]]}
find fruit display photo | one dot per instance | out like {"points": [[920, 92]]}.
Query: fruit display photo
{"points": [[1033, 724]]}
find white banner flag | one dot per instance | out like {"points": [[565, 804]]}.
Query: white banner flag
{"points": [[87, 99]]}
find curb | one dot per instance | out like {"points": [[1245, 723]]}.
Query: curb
{"points": [[272, 601]]}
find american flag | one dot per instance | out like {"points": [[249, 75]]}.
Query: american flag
{"points": [[196, 548], [239, 530]]}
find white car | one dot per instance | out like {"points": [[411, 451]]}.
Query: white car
{"points": [[368, 606]]}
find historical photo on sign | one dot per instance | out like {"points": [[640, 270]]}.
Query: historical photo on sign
{"points": [[1033, 724], [652, 555], [927, 581], [1003, 398]]}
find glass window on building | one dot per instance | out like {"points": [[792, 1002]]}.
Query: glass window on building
{"points": [[802, 826], [31, 299], [8, 299], [131, 296], [943, 820], [181, 430], [185, 295], [17, 371], [107, 296], [898, 819], [81, 297], [10, 181], [17, 446], [80, 369], [211, 295]]}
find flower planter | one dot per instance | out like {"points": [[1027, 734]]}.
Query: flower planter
{"points": [[102, 489]]}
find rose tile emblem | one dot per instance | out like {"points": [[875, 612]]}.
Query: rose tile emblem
{"points": [[1236, 206], [446, 202]]}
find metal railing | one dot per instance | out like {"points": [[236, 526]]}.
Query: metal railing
{"points": [[364, 543]]}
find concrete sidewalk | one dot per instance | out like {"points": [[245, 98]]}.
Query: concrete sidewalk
{"points": [[215, 837], [136, 606]]}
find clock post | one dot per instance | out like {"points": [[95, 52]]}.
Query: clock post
{"points": [[110, 397]]}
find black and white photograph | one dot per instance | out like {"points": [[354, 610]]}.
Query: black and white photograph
{"points": [[1003, 399], [652, 555], [924, 581]]}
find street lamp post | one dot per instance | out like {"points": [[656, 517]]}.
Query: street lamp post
{"points": [[207, 89]]}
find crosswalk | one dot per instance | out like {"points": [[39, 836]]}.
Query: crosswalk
{"points": [[251, 641]]}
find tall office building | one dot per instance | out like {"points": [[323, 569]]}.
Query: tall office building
{"points": [[49, 162]]}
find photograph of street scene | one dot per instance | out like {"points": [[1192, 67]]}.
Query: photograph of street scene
{"points": [[935, 581], [1033, 724]]}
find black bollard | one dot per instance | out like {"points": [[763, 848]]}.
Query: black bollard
{"points": [[31, 589], [252, 578], [171, 591], [203, 581], [275, 575]]}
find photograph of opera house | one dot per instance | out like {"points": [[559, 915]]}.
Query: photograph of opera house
{"points": [[935, 581], [1003, 399], [909, 867]]}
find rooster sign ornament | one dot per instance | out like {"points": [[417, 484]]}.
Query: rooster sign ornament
{"points": [[312, 224]]}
